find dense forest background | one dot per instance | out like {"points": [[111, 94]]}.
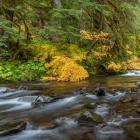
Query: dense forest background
{"points": [[60, 38]]}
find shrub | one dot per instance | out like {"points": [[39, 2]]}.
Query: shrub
{"points": [[134, 63], [43, 51], [27, 71], [113, 67], [65, 69]]}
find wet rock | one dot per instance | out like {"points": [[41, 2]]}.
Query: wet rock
{"points": [[102, 110], [128, 105], [138, 110], [90, 135], [81, 91], [90, 118], [12, 128], [90, 105], [41, 100], [120, 122], [127, 99], [23, 87], [101, 91], [109, 130], [64, 121], [37, 104], [133, 130], [5, 89], [35, 101], [138, 101], [118, 95], [17, 93], [138, 84], [92, 97]]}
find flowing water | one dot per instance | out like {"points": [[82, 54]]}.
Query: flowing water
{"points": [[53, 111]]}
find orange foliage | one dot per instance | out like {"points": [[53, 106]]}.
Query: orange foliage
{"points": [[66, 69], [101, 36], [116, 67]]}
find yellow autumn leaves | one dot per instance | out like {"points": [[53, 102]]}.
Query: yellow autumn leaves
{"points": [[65, 69], [102, 36]]}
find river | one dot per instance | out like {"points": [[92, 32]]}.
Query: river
{"points": [[71, 111]]}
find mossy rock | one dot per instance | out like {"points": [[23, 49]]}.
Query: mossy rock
{"points": [[133, 130], [90, 118], [128, 105], [90, 105], [127, 99], [11, 128]]}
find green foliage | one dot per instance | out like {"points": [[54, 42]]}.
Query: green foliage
{"points": [[118, 18], [20, 21], [27, 71], [108, 26]]}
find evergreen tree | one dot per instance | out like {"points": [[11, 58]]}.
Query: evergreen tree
{"points": [[117, 17]]}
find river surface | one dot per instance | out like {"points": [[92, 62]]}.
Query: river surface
{"points": [[70, 111]]}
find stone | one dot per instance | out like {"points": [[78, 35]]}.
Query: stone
{"points": [[138, 84], [89, 118], [41, 100], [5, 89], [12, 128], [138, 110], [90, 105], [110, 130], [133, 130], [127, 99], [100, 91]]}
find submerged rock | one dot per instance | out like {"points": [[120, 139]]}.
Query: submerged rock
{"points": [[109, 130], [128, 105], [133, 130], [11, 128], [5, 89], [64, 121], [127, 99], [18, 93], [90, 105], [34, 98], [138, 84], [102, 110], [23, 87], [138, 110], [90, 118]]}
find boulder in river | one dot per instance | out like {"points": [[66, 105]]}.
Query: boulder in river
{"points": [[133, 130], [138, 83], [5, 89], [100, 91], [128, 105], [90, 118], [110, 130], [128, 99], [41, 100], [11, 128], [90, 105]]}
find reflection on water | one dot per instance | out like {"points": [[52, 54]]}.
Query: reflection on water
{"points": [[107, 81]]}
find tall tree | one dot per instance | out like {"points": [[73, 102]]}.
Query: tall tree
{"points": [[118, 18]]}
